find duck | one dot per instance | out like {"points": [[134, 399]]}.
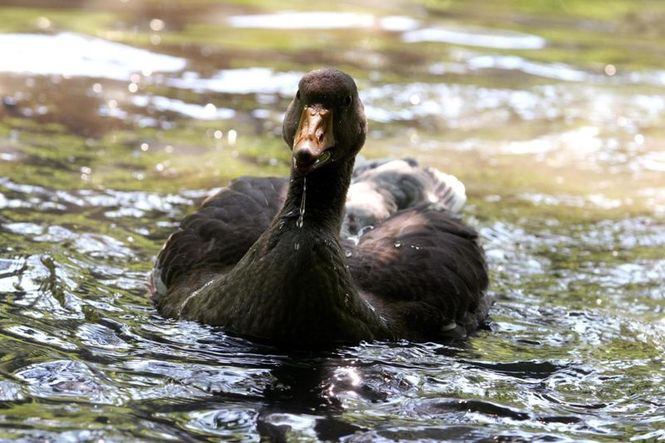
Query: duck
{"points": [[313, 260], [380, 188]]}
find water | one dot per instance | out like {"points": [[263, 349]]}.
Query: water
{"points": [[301, 211], [118, 118]]}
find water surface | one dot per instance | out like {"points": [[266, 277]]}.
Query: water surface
{"points": [[118, 118]]}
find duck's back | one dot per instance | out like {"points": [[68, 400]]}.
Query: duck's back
{"points": [[415, 257], [423, 267]]}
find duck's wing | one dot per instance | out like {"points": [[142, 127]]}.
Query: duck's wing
{"points": [[381, 188], [424, 269], [220, 232]]}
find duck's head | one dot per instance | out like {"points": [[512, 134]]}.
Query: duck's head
{"points": [[325, 122]]}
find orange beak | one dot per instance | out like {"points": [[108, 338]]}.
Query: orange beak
{"points": [[313, 139]]}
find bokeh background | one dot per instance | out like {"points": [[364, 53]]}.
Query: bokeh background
{"points": [[118, 116]]}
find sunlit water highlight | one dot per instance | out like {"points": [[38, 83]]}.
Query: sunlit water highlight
{"points": [[70, 54], [475, 37]]}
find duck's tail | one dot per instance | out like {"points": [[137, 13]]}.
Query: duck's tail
{"points": [[446, 190]]}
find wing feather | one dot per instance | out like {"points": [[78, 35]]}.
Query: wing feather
{"points": [[425, 267], [221, 231]]}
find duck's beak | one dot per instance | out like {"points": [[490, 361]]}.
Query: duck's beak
{"points": [[314, 139]]}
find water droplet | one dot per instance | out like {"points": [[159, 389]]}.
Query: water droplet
{"points": [[348, 254], [210, 109], [296, 246], [610, 70], [398, 244], [232, 136], [156, 24], [347, 298], [301, 218], [43, 23]]}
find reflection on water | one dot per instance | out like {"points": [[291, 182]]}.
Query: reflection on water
{"points": [[70, 54], [514, 63], [486, 38], [257, 80], [164, 104], [302, 20], [322, 20], [552, 118]]}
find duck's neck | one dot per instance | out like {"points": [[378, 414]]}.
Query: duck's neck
{"points": [[317, 200]]}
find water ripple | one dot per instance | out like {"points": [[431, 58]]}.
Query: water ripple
{"points": [[69, 379], [574, 349]]}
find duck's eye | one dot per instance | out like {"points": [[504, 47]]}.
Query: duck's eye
{"points": [[298, 95], [348, 100]]}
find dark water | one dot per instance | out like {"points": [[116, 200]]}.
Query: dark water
{"points": [[552, 113]]}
